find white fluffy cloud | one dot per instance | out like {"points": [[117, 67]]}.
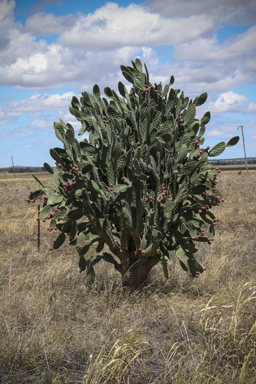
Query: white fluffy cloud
{"points": [[233, 11], [46, 24], [205, 49], [40, 103], [252, 107], [90, 48], [112, 26], [230, 102], [6, 20]]}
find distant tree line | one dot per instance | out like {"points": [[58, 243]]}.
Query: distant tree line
{"points": [[232, 162], [22, 169]]}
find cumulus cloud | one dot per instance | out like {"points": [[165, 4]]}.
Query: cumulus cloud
{"points": [[252, 107], [40, 103], [229, 10], [21, 46], [209, 76], [112, 26], [52, 65], [41, 4], [90, 49], [6, 20], [205, 49], [46, 24], [230, 102]]}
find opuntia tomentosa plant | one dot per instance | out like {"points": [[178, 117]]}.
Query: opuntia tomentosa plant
{"points": [[141, 185]]}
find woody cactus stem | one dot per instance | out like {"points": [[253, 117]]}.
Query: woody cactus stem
{"points": [[140, 184]]}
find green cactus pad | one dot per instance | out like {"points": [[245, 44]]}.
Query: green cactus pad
{"points": [[59, 241]]}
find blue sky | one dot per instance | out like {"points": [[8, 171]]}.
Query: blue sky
{"points": [[52, 50]]}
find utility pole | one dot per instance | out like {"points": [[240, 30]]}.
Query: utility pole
{"points": [[13, 167], [241, 126]]}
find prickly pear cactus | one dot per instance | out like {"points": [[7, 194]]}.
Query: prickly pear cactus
{"points": [[140, 185]]}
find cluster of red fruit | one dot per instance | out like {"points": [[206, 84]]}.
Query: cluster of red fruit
{"points": [[105, 120], [70, 238], [58, 165], [163, 198], [146, 90], [68, 187], [116, 192], [32, 201], [84, 191]]}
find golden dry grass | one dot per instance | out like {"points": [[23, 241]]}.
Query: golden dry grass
{"points": [[56, 329]]}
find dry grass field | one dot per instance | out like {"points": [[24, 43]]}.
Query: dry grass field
{"points": [[56, 329]]}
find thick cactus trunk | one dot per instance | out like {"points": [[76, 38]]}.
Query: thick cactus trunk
{"points": [[135, 272]]}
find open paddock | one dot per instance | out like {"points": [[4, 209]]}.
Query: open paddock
{"points": [[54, 328]]}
